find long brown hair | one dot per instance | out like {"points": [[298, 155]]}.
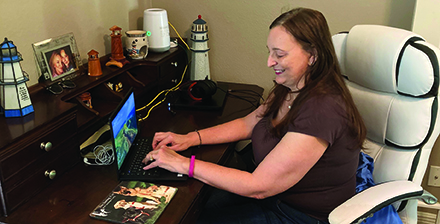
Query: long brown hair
{"points": [[309, 27]]}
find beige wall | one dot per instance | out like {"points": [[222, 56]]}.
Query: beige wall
{"points": [[427, 20], [26, 22], [238, 29]]}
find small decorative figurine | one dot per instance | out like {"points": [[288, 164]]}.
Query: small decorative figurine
{"points": [[86, 98], [117, 57], [115, 87], [199, 48], [137, 44], [15, 98], [94, 64]]}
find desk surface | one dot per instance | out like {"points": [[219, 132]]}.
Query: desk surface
{"points": [[75, 194]]}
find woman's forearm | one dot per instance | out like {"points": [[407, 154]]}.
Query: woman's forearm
{"points": [[229, 179], [228, 132], [236, 130]]}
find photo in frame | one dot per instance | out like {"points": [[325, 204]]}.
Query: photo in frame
{"points": [[59, 61], [57, 58]]}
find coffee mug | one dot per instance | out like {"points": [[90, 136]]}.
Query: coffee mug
{"points": [[137, 44]]}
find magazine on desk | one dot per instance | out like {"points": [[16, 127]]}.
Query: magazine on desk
{"points": [[134, 202]]}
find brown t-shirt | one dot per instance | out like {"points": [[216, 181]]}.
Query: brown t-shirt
{"points": [[332, 180]]}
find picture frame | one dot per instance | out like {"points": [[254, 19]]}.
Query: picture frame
{"points": [[57, 58]]}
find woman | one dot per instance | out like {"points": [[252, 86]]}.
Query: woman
{"points": [[68, 66], [56, 64], [306, 138], [153, 192]]}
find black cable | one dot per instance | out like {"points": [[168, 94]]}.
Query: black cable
{"points": [[242, 97], [248, 90]]}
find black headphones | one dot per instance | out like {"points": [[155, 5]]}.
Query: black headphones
{"points": [[200, 89]]}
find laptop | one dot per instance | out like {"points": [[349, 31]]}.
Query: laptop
{"points": [[130, 149]]}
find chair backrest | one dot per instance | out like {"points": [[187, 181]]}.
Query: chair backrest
{"points": [[393, 76]]}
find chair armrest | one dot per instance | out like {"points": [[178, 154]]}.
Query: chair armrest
{"points": [[365, 203]]}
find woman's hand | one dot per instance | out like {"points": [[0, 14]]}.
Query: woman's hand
{"points": [[173, 141], [168, 159]]}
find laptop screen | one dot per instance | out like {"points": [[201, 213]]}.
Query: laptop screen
{"points": [[124, 127]]}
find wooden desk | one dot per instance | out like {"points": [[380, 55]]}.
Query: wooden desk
{"points": [[76, 193], [45, 144]]}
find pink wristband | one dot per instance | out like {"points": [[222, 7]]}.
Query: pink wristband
{"points": [[191, 166]]}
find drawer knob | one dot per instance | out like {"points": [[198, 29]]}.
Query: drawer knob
{"points": [[174, 63], [51, 174], [46, 146]]}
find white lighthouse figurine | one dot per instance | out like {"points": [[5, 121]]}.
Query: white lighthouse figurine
{"points": [[15, 99], [199, 48]]}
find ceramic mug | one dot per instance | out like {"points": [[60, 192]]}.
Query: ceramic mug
{"points": [[137, 44]]}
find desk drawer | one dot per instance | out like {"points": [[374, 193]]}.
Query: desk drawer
{"points": [[35, 182], [171, 71], [28, 150], [42, 161]]}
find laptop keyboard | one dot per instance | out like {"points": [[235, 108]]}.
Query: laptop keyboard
{"points": [[142, 148]]}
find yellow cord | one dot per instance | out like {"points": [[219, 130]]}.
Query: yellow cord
{"points": [[163, 91], [178, 35], [167, 90]]}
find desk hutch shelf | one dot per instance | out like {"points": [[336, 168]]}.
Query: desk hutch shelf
{"points": [[36, 149]]}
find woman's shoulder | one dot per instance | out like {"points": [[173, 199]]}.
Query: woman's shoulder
{"points": [[325, 101]]}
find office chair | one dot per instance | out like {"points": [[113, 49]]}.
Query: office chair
{"points": [[393, 76]]}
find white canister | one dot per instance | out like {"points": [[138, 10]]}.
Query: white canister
{"points": [[158, 32], [137, 44]]}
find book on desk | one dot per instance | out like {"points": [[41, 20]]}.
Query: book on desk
{"points": [[134, 202]]}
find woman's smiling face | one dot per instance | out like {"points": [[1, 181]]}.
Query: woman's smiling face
{"points": [[288, 59], [58, 65]]}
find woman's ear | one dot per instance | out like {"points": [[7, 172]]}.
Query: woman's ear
{"points": [[311, 60], [313, 57]]}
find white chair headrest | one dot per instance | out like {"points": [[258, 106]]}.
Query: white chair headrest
{"points": [[393, 76], [398, 62]]}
